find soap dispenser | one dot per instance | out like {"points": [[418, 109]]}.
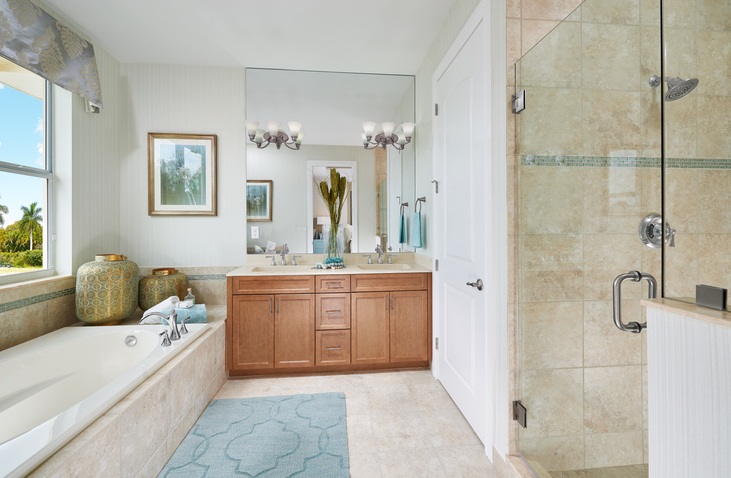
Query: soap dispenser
{"points": [[190, 297]]}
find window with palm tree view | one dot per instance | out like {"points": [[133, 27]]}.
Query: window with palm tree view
{"points": [[24, 170]]}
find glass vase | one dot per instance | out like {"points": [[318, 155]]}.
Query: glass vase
{"points": [[334, 246]]}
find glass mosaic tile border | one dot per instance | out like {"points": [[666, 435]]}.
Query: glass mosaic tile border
{"points": [[37, 299], [622, 162]]}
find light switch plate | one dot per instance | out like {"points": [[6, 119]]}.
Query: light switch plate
{"points": [[255, 232]]}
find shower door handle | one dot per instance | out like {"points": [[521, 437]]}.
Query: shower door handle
{"points": [[634, 276]]}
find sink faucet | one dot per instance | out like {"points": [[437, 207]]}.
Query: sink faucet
{"points": [[274, 259], [285, 251], [379, 251], [370, 259], [294, 260], [172, 320]]}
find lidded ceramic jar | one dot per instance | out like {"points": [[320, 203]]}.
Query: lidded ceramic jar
{"points": [[106, 289], [160, 285]]}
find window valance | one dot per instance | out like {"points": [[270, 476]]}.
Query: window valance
{"points": [[33, 39]]}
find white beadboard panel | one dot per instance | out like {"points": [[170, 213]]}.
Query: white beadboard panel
{"points": [[177, 99], [689, 388]]}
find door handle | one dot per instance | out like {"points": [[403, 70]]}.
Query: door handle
{"points": [[477, 284], [634, 276]]}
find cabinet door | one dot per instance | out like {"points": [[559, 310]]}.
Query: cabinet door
{"points": [[369, 327], [409, 326], [253, 332], [294, 330]]}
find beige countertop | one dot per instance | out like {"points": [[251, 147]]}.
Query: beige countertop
{"points": [[405, 262], [689, 309]]}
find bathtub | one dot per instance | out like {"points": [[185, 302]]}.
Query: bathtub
{"points": [[54, 386]]}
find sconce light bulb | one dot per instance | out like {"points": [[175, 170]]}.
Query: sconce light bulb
{"points": [[294, 128], [368, 128], [273, 127]]}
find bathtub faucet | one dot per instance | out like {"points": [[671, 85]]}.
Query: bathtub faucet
{"points": [[172, 320]]}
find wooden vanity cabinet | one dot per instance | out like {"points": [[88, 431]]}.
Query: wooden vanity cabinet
{"points": [[290, 324]]}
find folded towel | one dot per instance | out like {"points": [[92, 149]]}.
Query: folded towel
{"points": [[195, 315], [164, 307], [416, 230]]}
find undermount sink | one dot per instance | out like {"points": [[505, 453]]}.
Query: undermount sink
{"points": [[384, 267], [280, 268]]}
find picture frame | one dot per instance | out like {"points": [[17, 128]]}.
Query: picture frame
{"points": [[259, 200], [181, 174]]}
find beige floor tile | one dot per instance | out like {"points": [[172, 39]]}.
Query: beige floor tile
{"points": [[361, 439], [449, 428], [411, 464], [365, 465], [466, 461]]}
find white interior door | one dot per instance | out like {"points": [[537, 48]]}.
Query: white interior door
{"points": [[461, 142]]}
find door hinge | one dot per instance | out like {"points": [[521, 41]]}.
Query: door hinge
{"points": [[436, 109], [518, 102], [436, 343], [436, 265], [520, 413]]}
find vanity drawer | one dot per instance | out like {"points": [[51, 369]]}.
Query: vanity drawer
{"points": [[333, 347], [389, 282], [279, 284], [340, 283], [332, 311]]}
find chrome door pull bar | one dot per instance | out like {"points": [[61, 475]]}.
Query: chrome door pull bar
{"points": [[634, 276]]}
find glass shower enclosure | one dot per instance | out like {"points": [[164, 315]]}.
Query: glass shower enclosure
{"points": [[625, 124]]}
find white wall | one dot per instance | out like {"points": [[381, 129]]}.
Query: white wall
{"points": [[176, 99]]}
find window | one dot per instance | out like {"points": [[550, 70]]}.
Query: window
{"points": [[26, 174]]}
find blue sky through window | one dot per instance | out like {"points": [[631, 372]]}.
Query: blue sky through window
{"points": [[21, 142]]}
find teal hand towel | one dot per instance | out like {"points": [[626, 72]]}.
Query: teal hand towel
{"points": [[402, 229], [195, 315], [416, 231]]}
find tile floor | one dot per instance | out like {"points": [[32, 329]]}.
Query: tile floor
{"points": [[631, 471], [400, 424]]}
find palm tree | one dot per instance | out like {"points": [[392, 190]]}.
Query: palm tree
{"points": [[31, 220], [3, 210]]}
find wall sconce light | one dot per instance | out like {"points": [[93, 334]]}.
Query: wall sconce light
{"points": [[386, 135], [273, 135]]}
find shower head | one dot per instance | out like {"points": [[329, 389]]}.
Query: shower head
{"points": [[678, 87]]}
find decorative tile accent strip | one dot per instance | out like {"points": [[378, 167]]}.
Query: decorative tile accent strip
{"points": [[207, 277], [17, 304], [622, 162]]}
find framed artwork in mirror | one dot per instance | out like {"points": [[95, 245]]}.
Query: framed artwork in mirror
{"points": [[258, 200], [181, 174]]}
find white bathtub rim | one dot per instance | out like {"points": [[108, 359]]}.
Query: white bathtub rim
{"points": [[28, 455]]}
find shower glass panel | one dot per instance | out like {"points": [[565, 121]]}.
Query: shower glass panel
{"points": [[588, 165], [697, 166]]}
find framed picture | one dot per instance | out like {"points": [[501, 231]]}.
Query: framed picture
{"points": [[258, 201], [181, 174]]}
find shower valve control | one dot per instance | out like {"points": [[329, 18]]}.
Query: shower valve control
{"points": [[652, 233]]}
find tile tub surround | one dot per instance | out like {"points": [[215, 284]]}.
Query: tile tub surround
{"points": [[34, 308], [137, 436]]}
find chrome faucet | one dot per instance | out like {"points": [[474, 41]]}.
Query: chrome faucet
{"points": [[294, 260], [370, 259], [285, 251], [379, 251], [172, 320], [274, 259]]}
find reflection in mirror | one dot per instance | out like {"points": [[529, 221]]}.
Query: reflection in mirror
{"points": [[331, 108]]}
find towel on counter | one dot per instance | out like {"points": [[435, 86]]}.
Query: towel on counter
{"points": [[195, 315], [164, 307], [416, 230]]}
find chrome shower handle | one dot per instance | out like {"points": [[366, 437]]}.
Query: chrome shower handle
{"points": [[634, 276]]}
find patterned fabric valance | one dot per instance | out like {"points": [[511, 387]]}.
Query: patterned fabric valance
{"points": [[35, 40]]}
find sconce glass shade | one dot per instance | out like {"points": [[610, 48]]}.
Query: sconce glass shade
{"points": [[368, 128], [388, 129], [294, 128], [385, 135], [272, 135], [273, 127], [408, 129], [251, 127]]}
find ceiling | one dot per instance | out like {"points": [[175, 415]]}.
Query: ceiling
{"points": [[377, 36]]}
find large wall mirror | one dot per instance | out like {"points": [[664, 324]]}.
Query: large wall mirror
{"points": [[331, 108]]}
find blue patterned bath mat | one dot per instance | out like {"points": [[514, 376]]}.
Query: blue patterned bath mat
{"points": [[268, 437]]}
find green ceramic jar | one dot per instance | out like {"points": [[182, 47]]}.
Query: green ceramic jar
{"points": [[160, 285], [106, 289]]}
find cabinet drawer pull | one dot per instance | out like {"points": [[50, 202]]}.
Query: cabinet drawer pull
{"points": [[333, 348], [332, 285], [333, 312]]}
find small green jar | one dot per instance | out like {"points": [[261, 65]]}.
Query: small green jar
{"points": [[106, 289]]}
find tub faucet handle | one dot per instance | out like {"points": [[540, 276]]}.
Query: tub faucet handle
{"points": [[183, 328], [165, 339], [174, 332]]}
